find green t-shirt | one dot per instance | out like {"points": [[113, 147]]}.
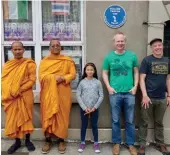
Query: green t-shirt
{"points": [[120, 69]]}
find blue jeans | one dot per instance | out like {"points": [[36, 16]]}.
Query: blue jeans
{"points": [[127, 101], [84, 123]]}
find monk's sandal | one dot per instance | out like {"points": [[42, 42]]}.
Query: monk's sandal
{"points": [[62, 147], [47, 147]]}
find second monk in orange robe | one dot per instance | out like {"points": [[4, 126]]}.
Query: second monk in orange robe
{"points": [[55, 74]]}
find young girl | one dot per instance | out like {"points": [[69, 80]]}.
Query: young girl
{"points": [[89, 96]]}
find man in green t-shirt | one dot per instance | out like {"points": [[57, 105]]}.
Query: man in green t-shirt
{"points": [[121, 76]]}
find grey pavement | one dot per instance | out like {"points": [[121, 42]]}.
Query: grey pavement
{"points": [[72, 147]]}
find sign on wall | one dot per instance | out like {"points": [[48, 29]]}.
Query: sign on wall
{"points": [[115, 16]]}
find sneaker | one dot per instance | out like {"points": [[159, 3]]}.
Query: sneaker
{"points": [[81, 148], [62, 148], [163, 149], [141, 150], [116, 149], [132, 150], [47, 147], [96, 148]]}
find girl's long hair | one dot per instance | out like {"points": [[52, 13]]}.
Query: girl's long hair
{"points": [[84, 72]]}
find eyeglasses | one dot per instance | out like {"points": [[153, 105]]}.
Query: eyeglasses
{"points": [[53, 46]]}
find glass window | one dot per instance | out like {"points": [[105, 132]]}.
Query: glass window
{"points": [[29, 52], [61, 20], [167, 39], [75, 52], [17, 20]]}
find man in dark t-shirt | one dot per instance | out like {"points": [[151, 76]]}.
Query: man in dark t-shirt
{"points": [[155, 87]]}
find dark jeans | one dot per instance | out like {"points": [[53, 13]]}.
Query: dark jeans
{"points": [[84, 123], [127, 101], [156, 110]]}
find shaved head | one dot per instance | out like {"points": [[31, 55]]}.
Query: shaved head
{"points": [[17, 43], [55, 46], [17, 49], [54, 40]]}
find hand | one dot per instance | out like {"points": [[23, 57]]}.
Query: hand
{"points": [[63, 79], [111, 90], [93, 109], [168, 101], [87, 111], [133, 90], [146, 101], [59, 79], [16, 94]]}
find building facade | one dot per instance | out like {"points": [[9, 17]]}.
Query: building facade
{"points": [[86, 38]]}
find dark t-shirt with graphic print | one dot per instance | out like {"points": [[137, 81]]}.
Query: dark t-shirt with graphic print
{"points": [[156, 70]]}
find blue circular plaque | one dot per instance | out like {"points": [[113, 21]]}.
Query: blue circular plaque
{"points": [[115, 16]]}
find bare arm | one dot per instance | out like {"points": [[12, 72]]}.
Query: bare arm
{"points": [[142, 84], [136, 76], [106, 81], [168, 89], [168, 84], [136, 80], [145, 99], [106, 78]]}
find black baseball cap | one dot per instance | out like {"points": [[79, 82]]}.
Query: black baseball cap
{"points": [[154, 40]]}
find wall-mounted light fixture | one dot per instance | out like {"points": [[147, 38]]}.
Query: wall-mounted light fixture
{"points": [[150, 23]]}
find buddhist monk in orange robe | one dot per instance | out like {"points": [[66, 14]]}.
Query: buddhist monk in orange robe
{"points": [[18, 78], [55, 74]]}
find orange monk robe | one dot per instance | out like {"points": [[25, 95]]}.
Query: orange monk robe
{"points": [[18, 77], [55, 98]]}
